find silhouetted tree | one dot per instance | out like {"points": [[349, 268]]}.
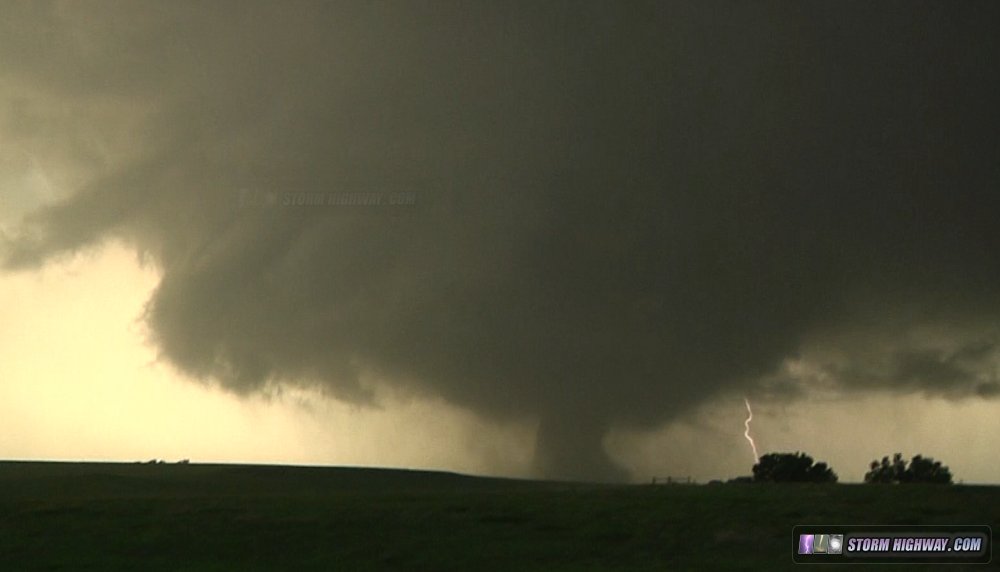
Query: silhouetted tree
{"points": [[886, 471], [920, 470], [792, 468]]}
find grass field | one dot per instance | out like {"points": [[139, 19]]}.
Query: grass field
{"points": [[94, 516]]}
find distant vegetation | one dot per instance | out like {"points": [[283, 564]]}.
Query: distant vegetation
{"points": [[799, 468], [920, 470], [792, 468]]}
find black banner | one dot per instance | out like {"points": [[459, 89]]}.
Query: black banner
{"points": [[938, 544]]}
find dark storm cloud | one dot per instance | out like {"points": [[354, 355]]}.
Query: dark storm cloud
{"points": [[620, 211], [933, 371]]}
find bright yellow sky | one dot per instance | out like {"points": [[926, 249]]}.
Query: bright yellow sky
{"points": [[78, 382]]}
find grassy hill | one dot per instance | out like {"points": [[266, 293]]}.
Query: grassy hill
{"points": [[100, 516]]}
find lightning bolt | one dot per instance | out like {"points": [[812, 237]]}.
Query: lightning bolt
{"points": [[753, 446]]}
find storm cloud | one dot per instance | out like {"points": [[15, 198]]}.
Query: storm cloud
{"points": [[612, 213]]}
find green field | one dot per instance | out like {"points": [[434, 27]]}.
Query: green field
{"points": [[94, 516]]}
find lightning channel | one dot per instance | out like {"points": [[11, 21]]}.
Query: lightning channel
{"points": [[753, 446]]}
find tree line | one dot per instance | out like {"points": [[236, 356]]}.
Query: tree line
{"points": [[800, 468]]}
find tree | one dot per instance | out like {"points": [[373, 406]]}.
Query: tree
{"points": [[792, 468], [887, 472], [920, 470]]}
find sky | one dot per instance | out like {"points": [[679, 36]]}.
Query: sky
{"points": [[557, 240]]}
